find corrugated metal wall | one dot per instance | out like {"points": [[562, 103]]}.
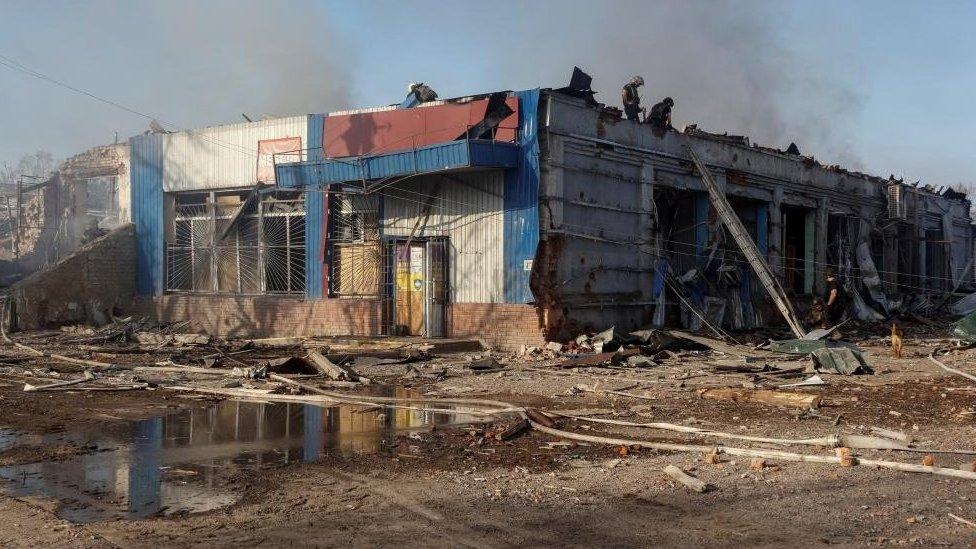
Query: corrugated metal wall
{"points": [[522, 203], [146, 185], [468, 209], [315, 217], [222, 156]]}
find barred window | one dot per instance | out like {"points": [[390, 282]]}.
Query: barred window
{"points": [[237, 243]]}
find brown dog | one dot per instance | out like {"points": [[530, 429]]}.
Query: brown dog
{"points": [[896, 340]]}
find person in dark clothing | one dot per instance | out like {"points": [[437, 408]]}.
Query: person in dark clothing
{"points": [[631, 98], [660, 116], [834, 300]]}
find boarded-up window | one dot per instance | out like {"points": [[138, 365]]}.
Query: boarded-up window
{"points": [[356, 269]]}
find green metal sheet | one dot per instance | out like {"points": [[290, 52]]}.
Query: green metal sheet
{"points": [[965, 328]]}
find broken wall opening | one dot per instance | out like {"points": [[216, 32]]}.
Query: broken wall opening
{"points": [[797, 249], [936, 263]]}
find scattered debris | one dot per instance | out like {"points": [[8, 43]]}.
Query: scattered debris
{"points": [[332, 370], [811, 381], [763, 396], [841, 360], [962, 520], [689, 481]]}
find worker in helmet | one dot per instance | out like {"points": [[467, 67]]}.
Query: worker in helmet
{"points": [[631, 98], [660, 117]]}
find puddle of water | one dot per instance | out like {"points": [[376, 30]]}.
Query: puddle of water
{"points": [[186, 462]]}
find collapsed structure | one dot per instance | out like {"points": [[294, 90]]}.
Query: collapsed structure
{"points": [[51, 216], [512, 217]]}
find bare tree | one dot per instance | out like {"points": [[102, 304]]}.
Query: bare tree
{"points": [[36, 164]]}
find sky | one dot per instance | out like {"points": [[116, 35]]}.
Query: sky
{"points": [[882, 87]]}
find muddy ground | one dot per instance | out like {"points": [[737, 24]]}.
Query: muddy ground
{"points": [[457, 485]]}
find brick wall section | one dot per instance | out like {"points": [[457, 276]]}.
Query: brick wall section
{"points": [[83, 287], [497, 325], [267, 316], [502, 326]]}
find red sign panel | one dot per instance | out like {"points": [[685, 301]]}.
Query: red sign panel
{"points": [[386, 131], [286, 149]]}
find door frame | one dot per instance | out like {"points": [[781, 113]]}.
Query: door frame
{"points": [[434, 314]]}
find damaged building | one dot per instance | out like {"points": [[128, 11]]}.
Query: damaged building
{"points": [[514, 218]]}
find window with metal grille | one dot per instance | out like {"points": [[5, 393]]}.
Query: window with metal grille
{"points": [[354, 245], [237, 243]]}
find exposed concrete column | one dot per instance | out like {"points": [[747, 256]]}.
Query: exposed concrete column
{"points": [[823, 215], [645, 228], [551, 185], [646, 249], [889, 259], [775, 244], [809, 243], [922, 248]]}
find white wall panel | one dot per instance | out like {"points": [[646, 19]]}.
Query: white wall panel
{"points": [[222, 157], [468, 208]]}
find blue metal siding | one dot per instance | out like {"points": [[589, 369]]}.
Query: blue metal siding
{"points": [[521, 220], [432, 158], [314, 202], [147, 212]]}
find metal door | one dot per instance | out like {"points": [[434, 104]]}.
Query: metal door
{"points": [[420, 287], [435, 298]]}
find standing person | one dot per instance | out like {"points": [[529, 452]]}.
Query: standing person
{"points": [[631, 98], [834, 300]]}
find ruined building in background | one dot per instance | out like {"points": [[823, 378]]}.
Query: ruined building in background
{"points": [[47, 219], [512, 217]]}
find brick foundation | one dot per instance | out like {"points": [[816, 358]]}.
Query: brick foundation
{"points": [[267, 316], [497, 325], [84, 287], [503, 326]]}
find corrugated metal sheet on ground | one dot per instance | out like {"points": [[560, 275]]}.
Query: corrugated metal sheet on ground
{"points": [[467, 208], [222, 156]]}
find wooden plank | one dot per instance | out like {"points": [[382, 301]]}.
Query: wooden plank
{"points": [[689, 481], [763, 396]]}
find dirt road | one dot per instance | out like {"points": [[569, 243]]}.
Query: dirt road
{"points": [[449, 486]]}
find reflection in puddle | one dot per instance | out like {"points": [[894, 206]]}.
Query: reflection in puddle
{"points": [[186, 462]]}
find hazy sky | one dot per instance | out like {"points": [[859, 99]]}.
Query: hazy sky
{"points": [[886, 87]]}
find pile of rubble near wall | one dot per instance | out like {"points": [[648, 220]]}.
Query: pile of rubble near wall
{"points": [[86, 286]]}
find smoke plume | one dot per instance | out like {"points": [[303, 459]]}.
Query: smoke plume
{"points": [[728, 65]]}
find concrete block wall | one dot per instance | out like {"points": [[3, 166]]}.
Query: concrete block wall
{"points": [[84, 287], [267, 316], [502, 326]]}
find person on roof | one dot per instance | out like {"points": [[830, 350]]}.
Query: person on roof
{"points": [[631, 98], [660, 117]]}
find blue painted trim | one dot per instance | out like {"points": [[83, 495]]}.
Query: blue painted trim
{"points": [[450, 155], [146, 187], [701, 222], [762, 228], [312, 434], [314, 208], [521, 200]]}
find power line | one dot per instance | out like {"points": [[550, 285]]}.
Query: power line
{"points": [[15, 65]]}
